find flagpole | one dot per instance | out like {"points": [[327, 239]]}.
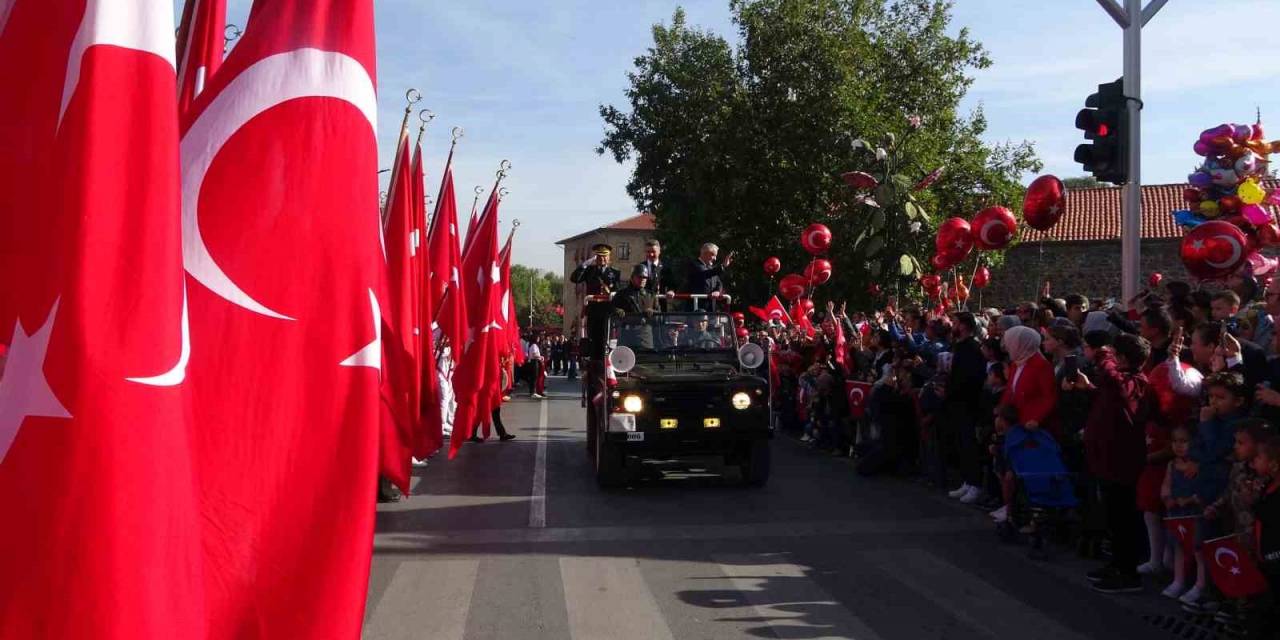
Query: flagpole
{"points": [[411, 97]]}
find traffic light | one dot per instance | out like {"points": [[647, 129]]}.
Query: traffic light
{"points": [[1105, 122]]}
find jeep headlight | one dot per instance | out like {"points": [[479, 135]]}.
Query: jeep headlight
{"points": [[741, 400], [632, 404]]}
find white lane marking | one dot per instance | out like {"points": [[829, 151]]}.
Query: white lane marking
{"points": [[608, 598], [782, 596], [970, 599], [538, 496], [425, 600]]}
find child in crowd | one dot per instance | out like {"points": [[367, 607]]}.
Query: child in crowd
{"points": [[1210, 457], [1006, 417], [1179, 495], [1233, 510], [1266, 513]]}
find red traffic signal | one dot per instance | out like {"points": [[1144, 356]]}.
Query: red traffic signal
{"points": [[1104, 122]]}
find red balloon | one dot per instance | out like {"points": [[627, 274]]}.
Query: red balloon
{"points": [[743, 333], [1191, 195], [993, 228], [1214, 250], [792, 286], [772, 265], [954, 238], [941, 262], [806, 305], [1229, 204], [816, 238], [739, 317], [1045, 202], [818, 271], [931, 283], [1154, 279], [1269, 234], [873, 289], [981, 278]]}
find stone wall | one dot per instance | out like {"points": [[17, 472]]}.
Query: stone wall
{"points": [[1091, 268]]}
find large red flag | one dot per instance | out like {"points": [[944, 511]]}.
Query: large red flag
{"points": [[444, 261], [429, 436], [401, 384], [1232, 568], [510, 319], [476, 378], [283, 248], [91, 306], [202, 45]]}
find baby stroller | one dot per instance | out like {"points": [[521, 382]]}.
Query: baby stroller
{"points": [[1045, 491]]}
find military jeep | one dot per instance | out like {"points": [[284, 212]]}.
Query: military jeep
{"points": [[681, 389]]}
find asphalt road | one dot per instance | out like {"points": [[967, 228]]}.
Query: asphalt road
{"points": [[514, 540]]}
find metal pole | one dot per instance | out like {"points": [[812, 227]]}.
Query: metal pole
{"points": [[1131, 220], [531, 301]]}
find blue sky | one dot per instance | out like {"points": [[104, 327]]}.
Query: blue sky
{"points": [[524, 80]]}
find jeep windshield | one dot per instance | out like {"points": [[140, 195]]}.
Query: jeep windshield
{"points": [[674, 332]]}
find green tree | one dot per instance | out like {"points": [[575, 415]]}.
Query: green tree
{"points": [[547, 288], [744, 145], [1081, 182]]}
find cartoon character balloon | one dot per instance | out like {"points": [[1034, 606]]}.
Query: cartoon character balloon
{"points": [[1214, 250], [993, 228], [1045, 202], [816, 238]]}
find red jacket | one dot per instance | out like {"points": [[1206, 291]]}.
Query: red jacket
{"points": [[1115, 440], [1034, 393]]}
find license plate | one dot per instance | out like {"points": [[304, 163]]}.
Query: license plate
{"points": [[635, 436]]}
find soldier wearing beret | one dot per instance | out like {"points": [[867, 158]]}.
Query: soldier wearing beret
{"points": [[635, 305]]}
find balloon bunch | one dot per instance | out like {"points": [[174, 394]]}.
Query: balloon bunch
{"points": [[796, 287], [1227, 190]]}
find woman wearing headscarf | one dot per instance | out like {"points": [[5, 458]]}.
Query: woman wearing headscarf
{"points": [[1031, 388]]}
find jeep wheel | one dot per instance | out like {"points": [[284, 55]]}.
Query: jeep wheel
{"points": [[755, 463], [610, 463]]}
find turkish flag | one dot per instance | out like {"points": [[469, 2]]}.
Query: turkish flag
{"points": [[858, 394], [475, 381], [287, 280], [1232, 568], [510, 322], [101, 535], [840, 347], [430, 435], [772, 311], [401, 386], [1183, 529], [200, 49], [444, 259]]}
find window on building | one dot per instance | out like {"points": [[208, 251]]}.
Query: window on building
{"points": [[623, 251]]}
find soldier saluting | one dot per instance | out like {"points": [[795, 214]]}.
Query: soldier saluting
{"points": [[599, 278]]}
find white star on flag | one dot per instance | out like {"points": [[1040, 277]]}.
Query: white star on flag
{"points": [[24, 390]]}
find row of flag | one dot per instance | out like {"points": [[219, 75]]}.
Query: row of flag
{"points": [[214, 345]]}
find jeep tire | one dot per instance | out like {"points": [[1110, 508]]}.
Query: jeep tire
{"points": [[610, 463]]}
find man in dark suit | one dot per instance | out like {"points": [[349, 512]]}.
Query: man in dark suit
{"points": [[704, 273], [596, 274], [662, 280]]}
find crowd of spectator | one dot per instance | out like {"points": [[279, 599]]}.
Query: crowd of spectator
{"points": [[1147, 429]]}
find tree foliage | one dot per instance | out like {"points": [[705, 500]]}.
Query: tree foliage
{"points": [[547, 290], [744, 144]]}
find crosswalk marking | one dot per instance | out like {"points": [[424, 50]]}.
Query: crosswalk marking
{"points": [[425, 600], [783, 596], [608, 599], [970, 599]]}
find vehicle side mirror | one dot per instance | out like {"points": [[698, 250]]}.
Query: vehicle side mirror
{"points": [[622, 359], [750, 355]]}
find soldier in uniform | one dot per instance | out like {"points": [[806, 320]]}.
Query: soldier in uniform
{"points": [[635, 305], [700, 337], [596, 274]]}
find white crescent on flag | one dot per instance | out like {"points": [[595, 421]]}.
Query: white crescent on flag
{"points": [[1237, 252], [301, 73]]}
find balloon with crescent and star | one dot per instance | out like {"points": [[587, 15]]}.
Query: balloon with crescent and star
{"points": [[1045, 202], [1213, 250], [816, 238], [993, 228], [792, 286]]}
